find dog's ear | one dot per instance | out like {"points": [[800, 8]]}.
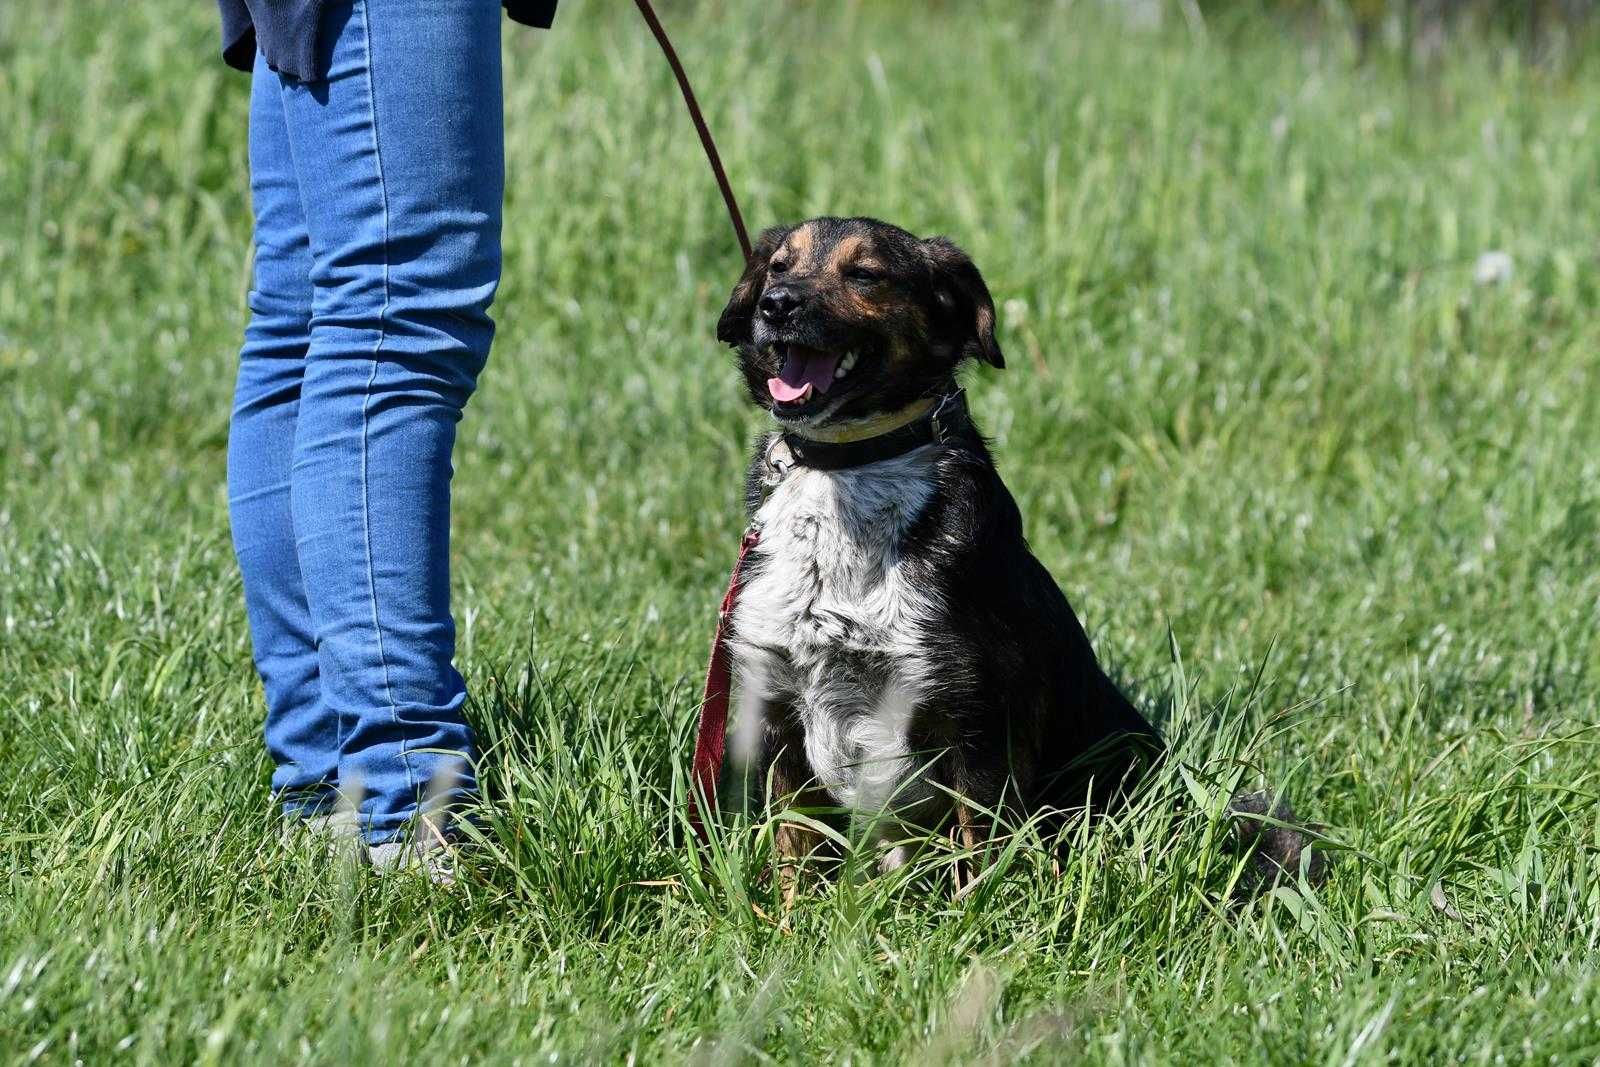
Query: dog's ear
{"points": [[733, 327], [963, 296]]}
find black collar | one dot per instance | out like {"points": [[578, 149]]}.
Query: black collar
{"points": [[947, 420]]}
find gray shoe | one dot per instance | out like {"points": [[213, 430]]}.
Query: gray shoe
{"points": [[335, 835], [431, 853]]}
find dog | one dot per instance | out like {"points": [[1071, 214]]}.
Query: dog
{"points": [[899, 653]]}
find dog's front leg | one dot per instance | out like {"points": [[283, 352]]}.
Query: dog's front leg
{"points": [[971, 831], [981, 792], [795, 843]]}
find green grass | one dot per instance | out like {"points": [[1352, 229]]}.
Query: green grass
{"points": [[1255, 401]]}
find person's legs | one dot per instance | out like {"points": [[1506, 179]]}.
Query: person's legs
{"points": [[398, 154], [301, 732]]}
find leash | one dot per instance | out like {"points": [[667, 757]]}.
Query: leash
{"points": [[700, 126], [710, 740]]}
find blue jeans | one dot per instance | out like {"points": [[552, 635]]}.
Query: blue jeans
{"points": [[377, 199]]}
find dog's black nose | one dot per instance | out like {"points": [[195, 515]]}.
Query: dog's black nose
{"points": [[779, 305]]}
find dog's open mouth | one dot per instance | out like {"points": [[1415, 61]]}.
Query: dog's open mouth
{"points": [[807, 373]]}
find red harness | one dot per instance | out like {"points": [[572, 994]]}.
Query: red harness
{"points": [[710, 739]]}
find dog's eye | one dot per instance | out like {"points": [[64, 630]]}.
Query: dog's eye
{"points": [[777, 266], [864, 274]]}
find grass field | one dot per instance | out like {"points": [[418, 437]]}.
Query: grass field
{"points": [[1329, 508]]}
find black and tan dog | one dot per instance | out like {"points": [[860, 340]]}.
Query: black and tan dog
{"points": [[899, 652]]}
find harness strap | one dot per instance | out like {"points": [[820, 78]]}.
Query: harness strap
{"points": [[711, 736]]}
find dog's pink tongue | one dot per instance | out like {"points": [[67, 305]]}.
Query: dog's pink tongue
{"points": [[803, 370]]}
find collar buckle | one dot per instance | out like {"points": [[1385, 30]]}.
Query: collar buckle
{"points": [[941, 429]]}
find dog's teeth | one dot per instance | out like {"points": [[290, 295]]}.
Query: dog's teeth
{"points": [[846, 365]]}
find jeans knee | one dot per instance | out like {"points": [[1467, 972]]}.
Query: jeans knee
{"points": [[428, 304]]}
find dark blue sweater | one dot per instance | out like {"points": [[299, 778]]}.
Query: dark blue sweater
{"points": [[285, 31]]}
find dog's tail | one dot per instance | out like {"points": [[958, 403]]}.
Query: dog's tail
{"points": [[1279, 849]]}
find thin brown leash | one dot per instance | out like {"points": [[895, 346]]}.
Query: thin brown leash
{"points": [[712, 728], [699, 124]]}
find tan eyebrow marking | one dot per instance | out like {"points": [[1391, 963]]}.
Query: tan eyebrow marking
{"points": [[799, 245], [846, 250]]}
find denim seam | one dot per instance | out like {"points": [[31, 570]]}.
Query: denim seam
{"points": [[286, 88], [366, 402]]}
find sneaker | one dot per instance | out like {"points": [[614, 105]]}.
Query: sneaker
{"points": [[431, 853], [335, 834]]}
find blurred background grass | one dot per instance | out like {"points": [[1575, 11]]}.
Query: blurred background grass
{"points": [[1257, 395]]}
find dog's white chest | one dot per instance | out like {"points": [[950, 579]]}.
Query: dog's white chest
{"points": [[831, 623]]}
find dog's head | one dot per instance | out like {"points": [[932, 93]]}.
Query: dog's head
{"points": [[839, 321]]}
